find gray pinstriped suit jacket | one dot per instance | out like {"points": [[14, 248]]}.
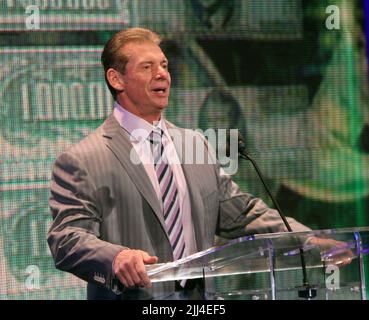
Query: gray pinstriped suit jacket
{"points": [[101, 203]]}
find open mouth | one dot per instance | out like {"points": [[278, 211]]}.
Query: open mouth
{"points": [[160, 90]]}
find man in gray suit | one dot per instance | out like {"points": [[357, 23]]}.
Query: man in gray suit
{"points": [[112, 215]]}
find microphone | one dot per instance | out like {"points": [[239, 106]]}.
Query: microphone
{"points": [[306, 291]]}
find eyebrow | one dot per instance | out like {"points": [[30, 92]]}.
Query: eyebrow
{"points": [[151, 62]]}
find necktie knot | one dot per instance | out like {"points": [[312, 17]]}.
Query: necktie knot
{"points": [[157, 146], [156, 135]]}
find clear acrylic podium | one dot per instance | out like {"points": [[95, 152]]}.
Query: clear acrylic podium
{"points": [[269, 266]]}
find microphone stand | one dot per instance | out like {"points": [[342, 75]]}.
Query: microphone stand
{"points": [[306, 291]]}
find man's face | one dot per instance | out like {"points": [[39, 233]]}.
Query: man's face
{"points": [[146, 80]]}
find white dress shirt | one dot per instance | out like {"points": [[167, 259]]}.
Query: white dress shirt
{"points": [[139, 131]]}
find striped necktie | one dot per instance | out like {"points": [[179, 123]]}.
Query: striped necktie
{"points": [[169, 195]]}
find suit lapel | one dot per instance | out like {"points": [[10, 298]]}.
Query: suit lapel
{"points": [[118, 142], [197, 205]]}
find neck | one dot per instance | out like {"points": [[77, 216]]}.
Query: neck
{"points": [[151, 118]]}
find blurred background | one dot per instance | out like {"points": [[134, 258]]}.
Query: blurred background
{"points": [[289, 74]]}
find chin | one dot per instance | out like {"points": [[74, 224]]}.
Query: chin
{"points": [[162, 106]]}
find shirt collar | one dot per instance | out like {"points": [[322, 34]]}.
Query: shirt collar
{"points": [[138, 128]]}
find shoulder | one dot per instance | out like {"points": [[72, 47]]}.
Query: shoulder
{"points": [[92, 143], [91, 146]]}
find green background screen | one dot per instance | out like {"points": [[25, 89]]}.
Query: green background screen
{"points": [[297, 91]]}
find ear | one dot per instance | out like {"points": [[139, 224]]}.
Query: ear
{"points": [[115, 79]]}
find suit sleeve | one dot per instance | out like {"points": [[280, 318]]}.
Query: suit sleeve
{"points": [[243, 214], [73, 237]]}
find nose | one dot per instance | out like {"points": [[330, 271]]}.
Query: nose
{"points": [[161, 72]]}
